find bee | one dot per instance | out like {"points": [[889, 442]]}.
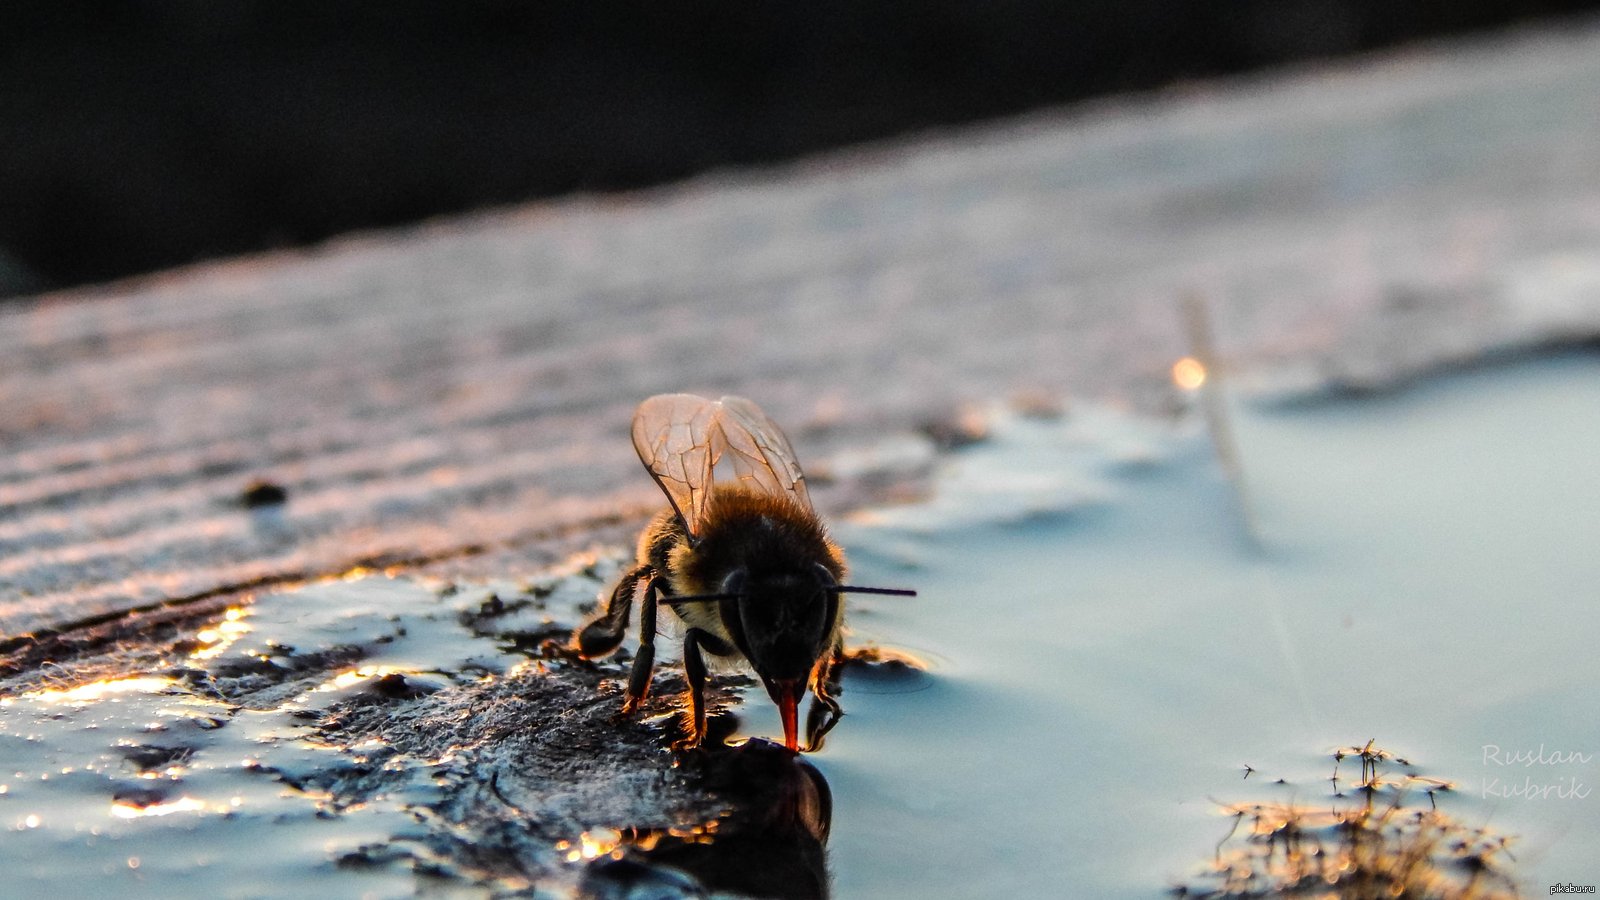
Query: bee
{"points": [[745, 564]]}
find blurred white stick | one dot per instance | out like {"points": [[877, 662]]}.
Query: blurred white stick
{"points": [[1214, 406]]}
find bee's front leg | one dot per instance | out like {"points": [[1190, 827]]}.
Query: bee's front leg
{"points": [[825, 710], [645, 659]]}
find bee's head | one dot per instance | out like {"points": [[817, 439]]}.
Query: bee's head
{"points": [[786, 620]]}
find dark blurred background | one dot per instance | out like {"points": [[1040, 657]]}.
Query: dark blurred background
{"points": [[140, 135]]}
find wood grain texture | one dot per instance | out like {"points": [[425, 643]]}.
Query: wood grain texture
{"points": [[458, 395]]}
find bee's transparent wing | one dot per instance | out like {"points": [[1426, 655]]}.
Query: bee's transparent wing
{"points": [[760, 453], [673, 434]]}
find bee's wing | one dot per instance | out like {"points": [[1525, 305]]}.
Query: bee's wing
{"points": [[758, 449], [673, 434]]}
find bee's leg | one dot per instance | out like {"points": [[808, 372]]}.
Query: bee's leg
{"points": [[645, 659], [694, 669], [604, 634], [825, 710]]}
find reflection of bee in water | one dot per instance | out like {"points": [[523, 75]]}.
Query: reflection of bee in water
{"points": [[745, 564]]}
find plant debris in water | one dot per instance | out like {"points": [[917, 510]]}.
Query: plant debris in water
{"points": [[1375, 843]]}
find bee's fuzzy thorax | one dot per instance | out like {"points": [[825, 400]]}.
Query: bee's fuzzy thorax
{"points": [[766, 534]]}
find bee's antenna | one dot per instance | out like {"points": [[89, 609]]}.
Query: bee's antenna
{"points": [[841, 589], [697, 598]]}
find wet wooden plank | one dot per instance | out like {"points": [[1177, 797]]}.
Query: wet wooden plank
{"points": [[456, 396]]}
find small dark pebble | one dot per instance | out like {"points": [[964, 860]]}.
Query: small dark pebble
{"points": [[892, 667], [956, 428], [358, 860], [263, 493], [147, 757], [629, 879], [877, 671], [238, 667], [395, 687], [138, 797], [185, 674]]}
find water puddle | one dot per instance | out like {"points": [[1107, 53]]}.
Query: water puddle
{"points": [[208, 779], [1110, 662], [1104, 675]]}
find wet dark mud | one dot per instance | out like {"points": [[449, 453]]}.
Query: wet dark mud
{"points": [[400, 737]]}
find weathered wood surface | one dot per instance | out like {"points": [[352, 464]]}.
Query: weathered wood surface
{"points": [[457, 395]]}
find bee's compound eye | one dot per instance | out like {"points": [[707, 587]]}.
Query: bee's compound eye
{"points": [[824, 577], [735, 581]]}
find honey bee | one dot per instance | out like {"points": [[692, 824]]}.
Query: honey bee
{"points": [[745, 564]]}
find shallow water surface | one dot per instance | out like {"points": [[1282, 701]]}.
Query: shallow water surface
{"points": [[1106, 666], [1108, 649]]}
